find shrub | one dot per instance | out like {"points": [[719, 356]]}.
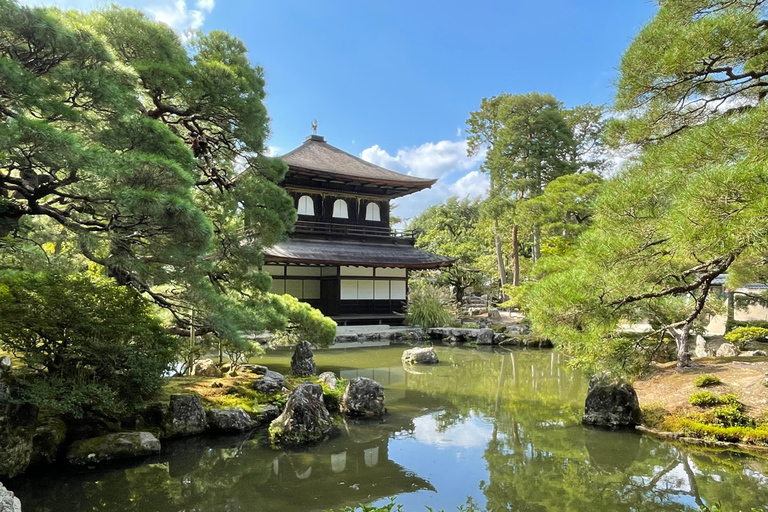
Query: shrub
{"points": [[709, 399], [705, 380], [429, 306], [741, 336], [86, 343], [692, 428]]}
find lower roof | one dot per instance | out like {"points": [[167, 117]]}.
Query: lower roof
{"points": [[326, 252]]}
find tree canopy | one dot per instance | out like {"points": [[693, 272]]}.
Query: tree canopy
{"points": [[124, 147], [691, 207]]}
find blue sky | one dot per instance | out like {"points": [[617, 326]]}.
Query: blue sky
{"points": [[394, 81]]}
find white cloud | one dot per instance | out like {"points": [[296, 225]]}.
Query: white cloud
{"points": [[473, 431], [458, 131], [446, 160], [430, 160], [175, 13]]}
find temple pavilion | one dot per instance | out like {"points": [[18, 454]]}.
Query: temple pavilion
{"points": [[343, 257]]}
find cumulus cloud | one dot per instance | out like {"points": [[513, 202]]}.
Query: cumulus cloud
{"points": [[176, 13], [446, 160], [430, 160]]}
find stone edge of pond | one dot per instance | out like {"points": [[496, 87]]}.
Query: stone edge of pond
{"points": [[753, 449]]}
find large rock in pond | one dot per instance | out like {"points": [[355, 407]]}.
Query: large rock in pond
{"points": [[611, 403], [230, 421], [206, 368], [363, 397], [727, 350], [120, 445], [305, 418], [186, 416], [329, 379], [271, 382], [485, 336], [421, 355], [303, 361], [8, 501], [17, 429], [47, 441]]}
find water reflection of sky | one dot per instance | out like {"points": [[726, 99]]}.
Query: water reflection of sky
{"points": [[455, 468]]}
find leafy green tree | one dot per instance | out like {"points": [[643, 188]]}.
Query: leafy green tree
{"points": [[110, 355], [693, 204], [145, 157], [450, 229]]}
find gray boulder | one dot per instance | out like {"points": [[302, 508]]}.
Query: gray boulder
{"points": [[701, 347], [363, 397], [752, 353], [519, 329], [271, 382], [5, 378], [8, 501], [329, 379], [304, 420], [611, 403], [727, 350], [17, 429], [230, 421], [186, 416], [494, 314], [205, 368], [47, 441], [485, 337], [420, 355], [267, 414], [303, 361], [121, 445], [254, 368]]}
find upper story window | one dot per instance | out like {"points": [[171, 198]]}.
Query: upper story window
{"points": [[372, 212], [306, 206], [340, 210]]}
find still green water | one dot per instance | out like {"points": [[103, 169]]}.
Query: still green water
{"points": [[483, 430]]}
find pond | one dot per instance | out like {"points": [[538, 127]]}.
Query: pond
{"points": [[484, 430]]}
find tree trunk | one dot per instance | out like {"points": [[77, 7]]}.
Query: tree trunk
{"points": [[515, 258], [536, 244], [731, 318], [681, 340], [499, 257]]}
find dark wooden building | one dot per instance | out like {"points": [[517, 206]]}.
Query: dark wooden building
{"points": [[343, 258]]}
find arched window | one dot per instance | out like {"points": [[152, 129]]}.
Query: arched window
{"points": [[340, 209], [372, 212], [306, 206]]}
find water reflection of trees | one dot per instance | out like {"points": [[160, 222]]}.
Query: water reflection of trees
{"points": [[231, 475], [540, 458]]}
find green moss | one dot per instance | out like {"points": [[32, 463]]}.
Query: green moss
{"points": [[709, 399], [705, 380], [653, 416], [690, 427]]}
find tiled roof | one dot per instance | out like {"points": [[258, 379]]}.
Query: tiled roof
{"points": [[317, 155], [336, 252]]}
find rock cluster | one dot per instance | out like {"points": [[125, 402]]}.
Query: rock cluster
{"points": [[420, 355], [363, 397], [329, 379], [303, 361], [611, 403]]}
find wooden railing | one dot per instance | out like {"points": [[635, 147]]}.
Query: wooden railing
{"points": [[327, 228]]}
